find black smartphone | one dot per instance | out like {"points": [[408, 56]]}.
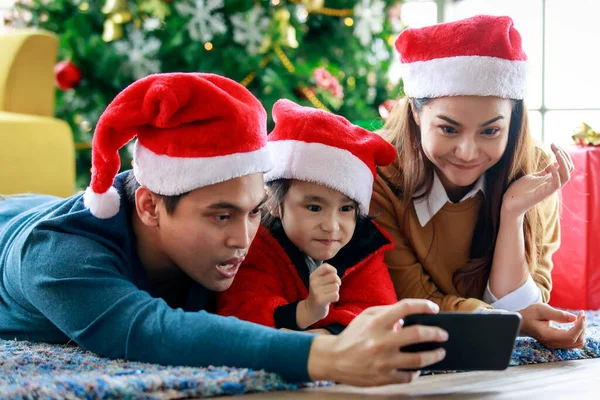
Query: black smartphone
{"points": [[475, 341]]}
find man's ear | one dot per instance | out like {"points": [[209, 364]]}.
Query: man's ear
{"points": [[147, 206], [414, 112]]}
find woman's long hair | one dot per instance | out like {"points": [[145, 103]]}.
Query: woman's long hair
{"points": [[415, 174]]}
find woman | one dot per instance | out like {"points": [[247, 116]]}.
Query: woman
{"points": [[471, 202]]}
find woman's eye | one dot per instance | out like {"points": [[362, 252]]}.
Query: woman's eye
{"points": [[491, 131], [448, 130]]}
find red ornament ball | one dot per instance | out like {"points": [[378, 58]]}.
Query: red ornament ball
{"points": [[66, 75]]}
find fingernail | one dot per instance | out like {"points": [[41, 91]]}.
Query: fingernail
{"points": [[434, 307], [444, 335]]}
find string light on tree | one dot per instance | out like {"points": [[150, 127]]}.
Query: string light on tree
{"points": [[208, 46], [348, 21]]}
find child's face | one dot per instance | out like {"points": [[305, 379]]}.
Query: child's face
{"points": [[317, 219], [464, 136]]}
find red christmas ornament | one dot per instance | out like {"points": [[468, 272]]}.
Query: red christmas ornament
{"points": [[66, 75]]}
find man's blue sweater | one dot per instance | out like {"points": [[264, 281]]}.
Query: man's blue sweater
{"points": [[67, 275]]}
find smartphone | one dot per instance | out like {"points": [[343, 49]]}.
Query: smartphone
{"points": [[476, 342]]}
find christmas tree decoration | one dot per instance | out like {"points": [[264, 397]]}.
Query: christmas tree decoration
{"points": [[112, 31], [369, 16], [140, 54], [329, 87], [156, 8], [586, 136], [205, 21], [66, 75], [395, 17], [313, 5], [386, 107], [117, 13], [117, 10], [287, 32], [249, 28], [276, 48]]}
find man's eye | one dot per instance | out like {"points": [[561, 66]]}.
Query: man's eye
{"points": [[222, 217]]}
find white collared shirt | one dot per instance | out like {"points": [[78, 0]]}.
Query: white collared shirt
{"points": [[427, 207]]}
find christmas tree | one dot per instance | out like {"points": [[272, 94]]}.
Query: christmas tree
{"points": [[331, 54]]}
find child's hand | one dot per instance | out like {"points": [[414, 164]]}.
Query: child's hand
{"points": [[324, 289]]}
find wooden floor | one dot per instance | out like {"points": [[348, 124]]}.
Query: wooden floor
{"points": [[560, 380]]}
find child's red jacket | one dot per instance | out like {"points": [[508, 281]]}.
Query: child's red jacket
{"points": [[274, 278]]}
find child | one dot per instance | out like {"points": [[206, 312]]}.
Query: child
{"points": [[317, 260]]}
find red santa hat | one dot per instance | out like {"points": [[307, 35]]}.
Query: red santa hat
{"points": [[316, 146], [479, 56], [192, 129]]}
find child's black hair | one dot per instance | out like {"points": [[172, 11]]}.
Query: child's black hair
{"points": [[278, 189]]}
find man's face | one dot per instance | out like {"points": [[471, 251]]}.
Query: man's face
{"points": [[210, 231]]}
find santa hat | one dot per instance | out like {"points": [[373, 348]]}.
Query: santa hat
{"points": [[192, 130], [316, 146], [480, 56]]}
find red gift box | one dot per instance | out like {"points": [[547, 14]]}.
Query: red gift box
{"points": [[576, 272]]}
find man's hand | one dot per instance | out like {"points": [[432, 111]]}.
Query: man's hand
{"points": [[367, 352], [536, 323]]}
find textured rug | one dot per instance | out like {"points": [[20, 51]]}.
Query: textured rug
{"points": [[529, 351], [66, 372]]}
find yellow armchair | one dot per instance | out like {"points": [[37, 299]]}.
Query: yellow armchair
{"points": [[37, 153]]}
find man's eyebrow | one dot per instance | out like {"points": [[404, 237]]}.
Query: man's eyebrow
{"points": [[263, 201], [225, 205]]}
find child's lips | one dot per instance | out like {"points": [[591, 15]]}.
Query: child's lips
{"points": [[327, 242]]}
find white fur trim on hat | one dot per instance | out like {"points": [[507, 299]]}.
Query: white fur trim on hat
{"points": [[465, 75], [327, 165], [171, 176], [102, 205]]}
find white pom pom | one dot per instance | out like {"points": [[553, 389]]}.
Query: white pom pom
{"points": [[103, 205]]}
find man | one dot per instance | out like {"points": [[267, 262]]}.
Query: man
{"points": [[128, 269]]}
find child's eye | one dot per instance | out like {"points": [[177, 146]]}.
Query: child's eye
{"points": [[313, 208], [491, 131], [448, 130], [347, 208]]}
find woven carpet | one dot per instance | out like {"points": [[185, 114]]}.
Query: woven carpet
{"points": [[45, 371]]}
